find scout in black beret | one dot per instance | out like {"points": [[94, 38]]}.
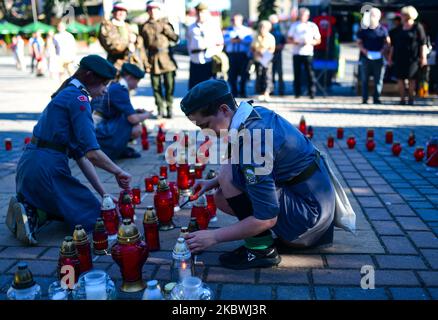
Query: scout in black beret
{"points": [[207, 95], [99, 66], [133, 70]]}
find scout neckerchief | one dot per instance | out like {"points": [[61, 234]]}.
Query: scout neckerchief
{"points": [[123, 83], [242, 113], [75, 82]]}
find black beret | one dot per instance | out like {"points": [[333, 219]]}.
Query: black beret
{"points": [[100, 66], [133, 70], [204, 94]]}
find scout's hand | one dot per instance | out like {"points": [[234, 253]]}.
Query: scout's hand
{"points": [[123, 179], [204, 186], [201, 240]]}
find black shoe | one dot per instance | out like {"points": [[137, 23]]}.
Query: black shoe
{"points": [[411, 102], [402, 102], [364, 101], [130, 153], [244, 258], [312, 96], [297, 96], [377, 101]]}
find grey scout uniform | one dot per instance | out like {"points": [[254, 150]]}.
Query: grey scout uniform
{"points": [[304, 210]]}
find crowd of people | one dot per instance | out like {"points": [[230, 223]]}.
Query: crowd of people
{"points": [[238, 51], [54, 55]]}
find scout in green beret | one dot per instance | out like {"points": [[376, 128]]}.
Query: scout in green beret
{"points": [[289, 193], [115, 119], [46, 189]]}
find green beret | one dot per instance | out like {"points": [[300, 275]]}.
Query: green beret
{"points": [[204, 94], [133, 70], [100, 66]]}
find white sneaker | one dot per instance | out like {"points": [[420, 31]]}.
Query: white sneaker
{"points": [[10, 216]]}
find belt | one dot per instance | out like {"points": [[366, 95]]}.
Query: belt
{"points": [[198, 51], [40, 143], [305, 174]]}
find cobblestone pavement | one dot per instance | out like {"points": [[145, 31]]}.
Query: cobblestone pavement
{"points": [[396, 201]]}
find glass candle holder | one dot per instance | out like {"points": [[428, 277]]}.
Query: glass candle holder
{"points": [[8, 144], [330, 142], [136, 195], [351, 142], [149, 184], [340, 133], [419, 154], [396, 149], [155, 180], [94, 285], [389, 137], [58, 292], [163, 171]]}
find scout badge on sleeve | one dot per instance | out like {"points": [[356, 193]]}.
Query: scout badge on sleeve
{"points": [[250, 175]]}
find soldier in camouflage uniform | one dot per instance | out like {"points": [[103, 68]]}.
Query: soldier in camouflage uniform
{"points": [[120, 40], [157, 33]]}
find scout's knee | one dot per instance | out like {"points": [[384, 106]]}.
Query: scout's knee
{"points": [[222, 203]]}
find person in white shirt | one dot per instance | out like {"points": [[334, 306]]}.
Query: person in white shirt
{"points": [[304, 35], [18, 49], [204, 40], [66, 49]]}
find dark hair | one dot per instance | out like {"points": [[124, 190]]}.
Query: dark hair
{"points": [[80, 74], [213, 108]]}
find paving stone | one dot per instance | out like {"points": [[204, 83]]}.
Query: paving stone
{"points": [[6, 264], [348, 261], [216, 274], [430, 278], [398, 245], [378, 214], [22, 252], [424, 239], [382, 189], [360, 294], [408, 294], [400, 262], [395, 278], [386, 228], [428, 214], [293, 293], [357, 183], [282, 275], [411, 223], [51, 254], [360, 191], [245, 292], [370, 202], [336, 277], [431, 256], [434, 293], [420, 204], [301, 261], [401, 210], [391, 198], [322, 293]]}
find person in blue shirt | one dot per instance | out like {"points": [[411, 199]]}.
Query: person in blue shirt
{"points": [[115, 119], [238, 39], [373, 44], [46, 189], [289, 193]]}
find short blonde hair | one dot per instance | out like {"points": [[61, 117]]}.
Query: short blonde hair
{"points": [[410, 11], [265, 23]]}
